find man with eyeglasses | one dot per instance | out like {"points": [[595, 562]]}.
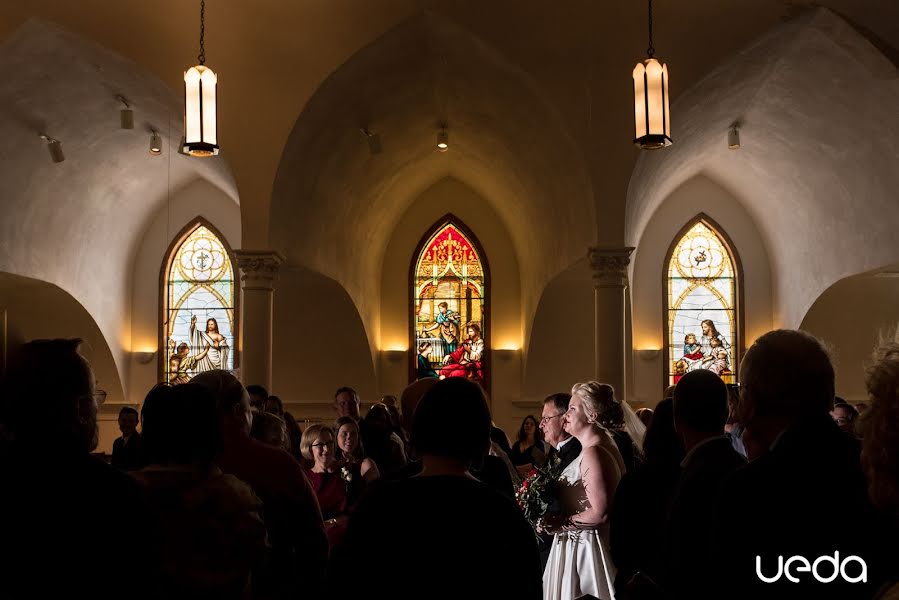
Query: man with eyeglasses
{"points": [[564, 449]]}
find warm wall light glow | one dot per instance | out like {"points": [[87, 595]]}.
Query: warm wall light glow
{"points": [[396, 347], [508, 347]]}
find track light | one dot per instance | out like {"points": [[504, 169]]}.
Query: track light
{"points": [[155, 143], [126, 115], [374, 141], [443, 139], [733, 137], [55, 148]]}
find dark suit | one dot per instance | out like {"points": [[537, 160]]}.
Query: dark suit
{"points": [[129, 456], [568, 453], [690, 516], [806, 497]]}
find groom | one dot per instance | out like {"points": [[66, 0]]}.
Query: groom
{"points": [[564, 450]]}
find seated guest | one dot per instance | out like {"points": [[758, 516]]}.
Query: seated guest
{"points": [[294, 435], [62, 509], [128, 450], [844, 415], [329, 480], [700, 411], [299, 547], [351, 453], [380, 442], [462, 533], [270, 429], [274, 405], [880, 454], [640, 506], [732, 428], [258, 397], [208, 523], [645, 415], [528, 451], [347, 403], [782, 502]]}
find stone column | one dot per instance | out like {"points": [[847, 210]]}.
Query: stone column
{"points": [[609, 284], [258, 273]]}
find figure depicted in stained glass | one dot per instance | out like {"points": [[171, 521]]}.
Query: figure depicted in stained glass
{"points": [[424, 368], [448, 323], [466, 361], [709, 336], [215, 343], [183, 366], [692, 350]]}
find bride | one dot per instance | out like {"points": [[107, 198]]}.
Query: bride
{"points": [[580, 558]]}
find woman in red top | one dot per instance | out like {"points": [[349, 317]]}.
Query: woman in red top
{"points": [[327, 478]]}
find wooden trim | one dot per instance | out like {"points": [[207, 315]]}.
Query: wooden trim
{"points": [[174, 245], [737, 343], [446, 219]]}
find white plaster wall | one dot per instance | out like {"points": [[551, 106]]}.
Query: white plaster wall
{"points": [[698, 195], [197, 199], [77, 224], [817, 167], [852, 317]]}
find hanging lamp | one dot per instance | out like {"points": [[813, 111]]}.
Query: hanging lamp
{"points": [[200, 97], [652, 117]]}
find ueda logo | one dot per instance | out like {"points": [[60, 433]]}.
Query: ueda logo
{"points": [[825, 569]]}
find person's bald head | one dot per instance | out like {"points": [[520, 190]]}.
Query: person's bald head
{"points": [[410, 398]]}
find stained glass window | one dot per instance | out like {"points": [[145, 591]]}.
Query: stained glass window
{"points": [[702, 305], [448, 299], [198, 317]]}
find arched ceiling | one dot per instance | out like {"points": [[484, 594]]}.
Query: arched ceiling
{"points": [[77, 224], [335, 205], [272, 55], [817, 165]]}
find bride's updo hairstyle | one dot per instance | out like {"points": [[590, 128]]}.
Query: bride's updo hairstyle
{"points": [[599, 399], [452, 420]]}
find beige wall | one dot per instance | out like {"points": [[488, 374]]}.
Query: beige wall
{"points": [[698, 195], [851, 318]]}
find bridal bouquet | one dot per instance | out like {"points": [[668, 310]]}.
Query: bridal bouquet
{"points": [[537, 492]]}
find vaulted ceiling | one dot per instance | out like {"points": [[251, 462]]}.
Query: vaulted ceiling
{"points": [[273, 55]]}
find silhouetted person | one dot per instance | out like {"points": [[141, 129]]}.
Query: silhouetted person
{"points": [[700, 411], [258, 397], [209, 524], [128, 450], [782, 503], [640, 507], [71, 526], [292, 516], [450, 531]]}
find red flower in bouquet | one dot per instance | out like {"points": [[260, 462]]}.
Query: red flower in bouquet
{"points": [[535, 495]]}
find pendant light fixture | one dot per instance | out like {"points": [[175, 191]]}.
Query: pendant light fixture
{"points": [[442, 139], [200, 110], [652, 117]]}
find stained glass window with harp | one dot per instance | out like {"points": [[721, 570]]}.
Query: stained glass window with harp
{"points": [[702, 304], [199, 315], [448, 298]]}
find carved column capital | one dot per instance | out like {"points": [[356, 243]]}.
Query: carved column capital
{"points": [[610, 265], [258, 268]]}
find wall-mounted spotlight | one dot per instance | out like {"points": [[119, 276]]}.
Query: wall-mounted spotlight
{"points": [[126, 115], [55, 148], [155, 143], [443, 139], [374, 141], [733, 136]]}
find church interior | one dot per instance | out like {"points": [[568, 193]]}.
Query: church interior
{"points": [[325, 229]]}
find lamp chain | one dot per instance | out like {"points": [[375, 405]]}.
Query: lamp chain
{"points": [[202, 56], [651, 50]]}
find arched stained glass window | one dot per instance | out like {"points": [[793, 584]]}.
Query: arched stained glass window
{"points": [[702, 303], [199, 305], [449, 300]]}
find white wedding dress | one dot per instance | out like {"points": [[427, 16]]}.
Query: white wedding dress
{"points": [[580, 562]]}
